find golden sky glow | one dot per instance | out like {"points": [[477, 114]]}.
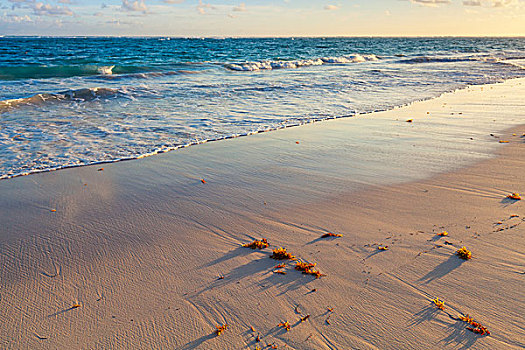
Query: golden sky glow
{"points": [[264, 17]]}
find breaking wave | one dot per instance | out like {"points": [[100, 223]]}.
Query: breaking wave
{"points": [[45, 72], [81, 95], [452, 59], [269, 65]]}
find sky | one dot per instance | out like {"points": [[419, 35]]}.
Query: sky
{"points": [[219, 18]]}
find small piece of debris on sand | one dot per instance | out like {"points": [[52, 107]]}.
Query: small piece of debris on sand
{"points": [[330, 234]]}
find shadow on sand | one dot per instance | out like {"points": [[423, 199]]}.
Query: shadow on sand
{"points": [[463, 338], [436, 238], [452, 263], [375, 252], [62, 312], [291, 281], [320, 239], [237, 252], [426, 314], [508, 201], [196, 343]]}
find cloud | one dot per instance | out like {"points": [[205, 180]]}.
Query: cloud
{"points": [[202, 7], [136, 6], [119, 22], [16, 19], [20, 3], [173, 1], [41, 9], [331, 7], [431, 3], [240, 8], [489, 3]]}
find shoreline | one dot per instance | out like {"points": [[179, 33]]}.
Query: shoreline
{"points": [[311, 121], [142, 246]]}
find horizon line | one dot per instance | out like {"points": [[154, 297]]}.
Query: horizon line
{"points": [[519, 36]]}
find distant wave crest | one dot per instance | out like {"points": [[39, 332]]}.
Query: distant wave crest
{"points": [[269, 65], [45, 72], [462, 58]]}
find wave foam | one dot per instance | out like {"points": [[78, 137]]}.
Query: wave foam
{"points": [[65, 71], [475, 58], [270, 65], [105, 70], [85, 94]]}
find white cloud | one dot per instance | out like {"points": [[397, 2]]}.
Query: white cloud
{"points": [[16, 19], [202, 7], [489, 3], [18, 3], [41, 9], [431, 3], [137, 6], [331, 7], [173, 1], [119, 22], [240, 8]]}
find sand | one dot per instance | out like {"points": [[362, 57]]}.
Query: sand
{"points": [[152, 256]]}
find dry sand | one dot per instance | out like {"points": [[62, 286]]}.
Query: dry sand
{"points": [[141, 246]]}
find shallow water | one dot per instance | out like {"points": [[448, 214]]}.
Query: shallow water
{"points": [[77, 101]]}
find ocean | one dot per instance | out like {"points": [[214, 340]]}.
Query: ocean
{"points": [[76, 101]]}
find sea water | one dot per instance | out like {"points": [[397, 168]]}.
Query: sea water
{"points": [[76, 101]]}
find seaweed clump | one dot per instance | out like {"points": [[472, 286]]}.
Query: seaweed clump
{"points": [[285, 325], [515, 196], [330, 234], [308, 269], [257, 244], [464, 253], [221, 329], [282, 254], [440, 304], [476, 327], [302, 266]]}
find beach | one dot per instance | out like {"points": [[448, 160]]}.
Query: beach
{"points": [[147, 254]]}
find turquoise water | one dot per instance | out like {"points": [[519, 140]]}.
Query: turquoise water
{"points": [[76, 101]]}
